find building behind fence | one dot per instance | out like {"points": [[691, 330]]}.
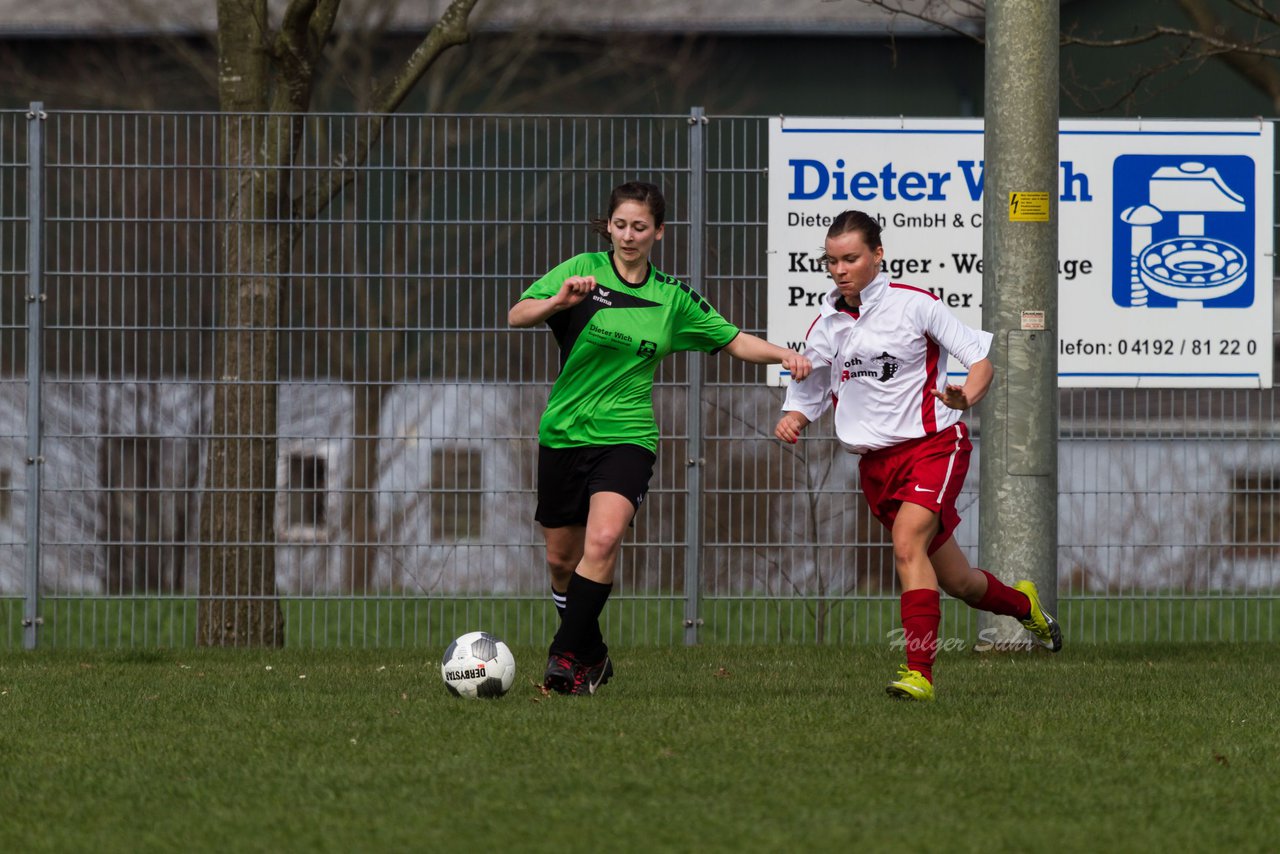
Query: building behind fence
{"points": [[407, 409]]}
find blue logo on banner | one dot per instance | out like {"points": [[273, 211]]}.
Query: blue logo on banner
{"points": [[1183, 231]]}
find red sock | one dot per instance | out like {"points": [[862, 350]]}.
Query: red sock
{"points": [[921, 615], [1000, 598]]}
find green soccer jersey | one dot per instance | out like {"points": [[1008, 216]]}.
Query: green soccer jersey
{"points": [[610, 347]]}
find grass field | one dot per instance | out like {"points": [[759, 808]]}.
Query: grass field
{"points": [[710, 748], [79, 622]]}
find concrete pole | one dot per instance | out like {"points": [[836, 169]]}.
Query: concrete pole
{"points": [[1018, 444]]}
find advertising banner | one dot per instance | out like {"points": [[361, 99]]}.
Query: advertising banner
{"points": [[1164, 236]]}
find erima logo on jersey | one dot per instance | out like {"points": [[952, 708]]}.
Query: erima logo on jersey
{"points": [[603, 292], [601, 297]]}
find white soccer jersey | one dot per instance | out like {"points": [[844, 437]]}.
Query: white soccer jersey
{"points": [[884, 357]]}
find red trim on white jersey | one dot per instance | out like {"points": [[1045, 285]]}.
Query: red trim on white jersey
{"points": [[927, 415], [811, 325], [930, 294]]}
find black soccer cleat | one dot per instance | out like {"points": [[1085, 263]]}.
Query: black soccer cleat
{"points": [[561, 673], [587, 679]]}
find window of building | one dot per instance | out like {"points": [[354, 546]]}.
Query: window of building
{"points": [[6, 493], [1255, 514], [457, 495], [306, 492]]}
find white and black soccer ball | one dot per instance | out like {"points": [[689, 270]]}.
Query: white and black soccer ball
{"points": [[477, 664]]}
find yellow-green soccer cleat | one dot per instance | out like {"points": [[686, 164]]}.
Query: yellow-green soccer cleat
{"points": [[910, 685], [1043, 627]]}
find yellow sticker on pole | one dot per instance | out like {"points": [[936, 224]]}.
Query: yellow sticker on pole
{"points": [[1028, 207]]}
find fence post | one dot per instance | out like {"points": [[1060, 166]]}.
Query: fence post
{"points": [[31, 619], [693, 412]]}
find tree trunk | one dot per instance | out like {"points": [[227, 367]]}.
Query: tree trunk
{"points": [[238, 605]]}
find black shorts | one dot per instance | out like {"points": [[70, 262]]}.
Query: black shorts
{"points": [[568, 477]]}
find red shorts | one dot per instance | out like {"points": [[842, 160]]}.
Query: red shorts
{"points": [[928, 471]]}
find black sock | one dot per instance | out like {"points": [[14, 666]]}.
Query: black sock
{"points": [[580, 623]]}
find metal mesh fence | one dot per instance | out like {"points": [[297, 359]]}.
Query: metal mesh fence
{"points": [[294, 387]]}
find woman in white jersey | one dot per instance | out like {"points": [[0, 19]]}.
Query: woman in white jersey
{"points": [[879, 351], [615, 317]]}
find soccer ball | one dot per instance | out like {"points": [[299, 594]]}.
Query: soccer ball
{"points": [[477, 664]]}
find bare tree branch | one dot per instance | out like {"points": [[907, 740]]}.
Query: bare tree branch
{"points": [[1209, 43], [1248, 62], [1138, 82], [449, 31], [322, 24], [1249, 53], [942, 14]]}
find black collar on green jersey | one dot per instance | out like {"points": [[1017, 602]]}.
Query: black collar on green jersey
{"points": [[648, 271]]}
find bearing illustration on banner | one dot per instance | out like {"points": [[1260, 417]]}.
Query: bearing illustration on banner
{"points": [[1190, 233], [1164, 232]]}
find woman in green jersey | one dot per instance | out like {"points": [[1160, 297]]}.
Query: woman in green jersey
{"points": [[615, 317]]}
